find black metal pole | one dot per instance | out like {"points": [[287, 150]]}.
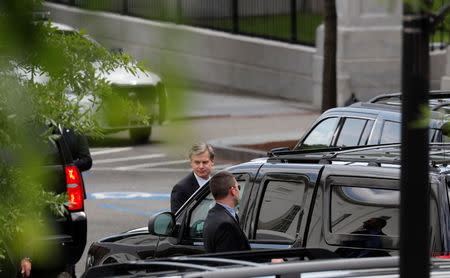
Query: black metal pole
{"points": [[235, 15], [179, 11], [125, 7], [294, 20], [415, 207]]}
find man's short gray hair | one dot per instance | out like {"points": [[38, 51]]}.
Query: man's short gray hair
{"points": [[201, 147]]}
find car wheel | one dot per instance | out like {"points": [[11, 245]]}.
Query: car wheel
{"points": [[140, 135]]}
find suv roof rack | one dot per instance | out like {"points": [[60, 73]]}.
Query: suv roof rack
{"points": [[374, 155], [440, 105], [390, 98]]}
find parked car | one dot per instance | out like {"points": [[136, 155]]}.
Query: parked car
{"points": [[198, 265], [311, 199], [245, 266], [145, 88], [67, 234], [377, 121]]}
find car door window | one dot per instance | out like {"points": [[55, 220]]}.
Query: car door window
{"points": [[281, 210], [390, 133], [366, 134], [351, 132], [321, 135], [199, 213], [353, 209]]}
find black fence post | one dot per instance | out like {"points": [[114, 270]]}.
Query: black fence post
{"points": [[235, 15], [125, 7], [415, 186], [179, 12], [294, 20]]}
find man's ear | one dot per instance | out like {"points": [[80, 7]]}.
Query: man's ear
{"points": [[212, 161], [232, 191]]}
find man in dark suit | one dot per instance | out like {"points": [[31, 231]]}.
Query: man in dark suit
{"points": [[222, 232], [202, 159], [79, 149]]}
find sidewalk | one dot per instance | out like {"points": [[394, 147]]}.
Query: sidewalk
{"points": [[239, 126]]}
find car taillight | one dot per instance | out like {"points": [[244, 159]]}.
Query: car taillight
{"points": [[74, 188], [441, 255]]}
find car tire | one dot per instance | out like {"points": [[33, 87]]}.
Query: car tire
{"points": [[140, 135]]}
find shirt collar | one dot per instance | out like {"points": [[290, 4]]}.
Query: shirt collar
{"points": [[201, 182], [230, 210]]}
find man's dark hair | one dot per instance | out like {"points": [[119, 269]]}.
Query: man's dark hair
{"points": [[220, 184], [381, 222]]}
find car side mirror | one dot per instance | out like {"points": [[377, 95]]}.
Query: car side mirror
{"points": [[161, 224]]}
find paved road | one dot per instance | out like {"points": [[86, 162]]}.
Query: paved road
{"points": [[128, 182]]}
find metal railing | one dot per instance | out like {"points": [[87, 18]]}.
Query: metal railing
{"points": [[292, 21]]}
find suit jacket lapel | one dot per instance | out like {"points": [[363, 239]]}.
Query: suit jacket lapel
{"points": [[229, 214], [194, 182]]}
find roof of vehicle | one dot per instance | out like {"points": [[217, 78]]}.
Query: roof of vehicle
{"points": [[63, 27], [373, 155], [386, 103]]}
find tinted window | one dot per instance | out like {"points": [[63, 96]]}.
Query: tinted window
{"points": [[390, 133], [321, 135], [281, 210], [357, 210], [200, 212], [438, 135], [365, 136], [351, 132], [198, 216]]}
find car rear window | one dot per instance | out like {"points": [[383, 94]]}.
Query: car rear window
{"points": [[391, 132]]}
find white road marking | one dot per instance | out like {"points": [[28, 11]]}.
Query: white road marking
{"points": [[128, 158], [148, 165], [112, 150], [128, 196]]}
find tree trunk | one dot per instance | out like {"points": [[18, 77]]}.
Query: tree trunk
{"points": [[329, 56]]}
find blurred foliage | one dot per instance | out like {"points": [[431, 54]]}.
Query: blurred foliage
{"points": [[44, 75]]}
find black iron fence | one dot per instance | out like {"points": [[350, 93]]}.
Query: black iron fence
{"points": [[293, 21]]}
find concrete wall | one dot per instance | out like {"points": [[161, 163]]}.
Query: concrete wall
{"points": [[207, 58], [368, 58]]}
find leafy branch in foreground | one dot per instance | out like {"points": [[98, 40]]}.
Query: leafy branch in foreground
{"points": [[44, 77]]}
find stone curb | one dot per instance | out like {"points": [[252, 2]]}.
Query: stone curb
{"points": [[225, 147], [236, 154]]}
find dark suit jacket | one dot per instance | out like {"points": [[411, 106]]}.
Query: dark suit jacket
{"points": [[222, 232], [79, 149], [182, 191]]}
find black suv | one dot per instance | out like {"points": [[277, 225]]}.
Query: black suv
{"points": [[311, 199], [377, 121], [68, 232]]}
